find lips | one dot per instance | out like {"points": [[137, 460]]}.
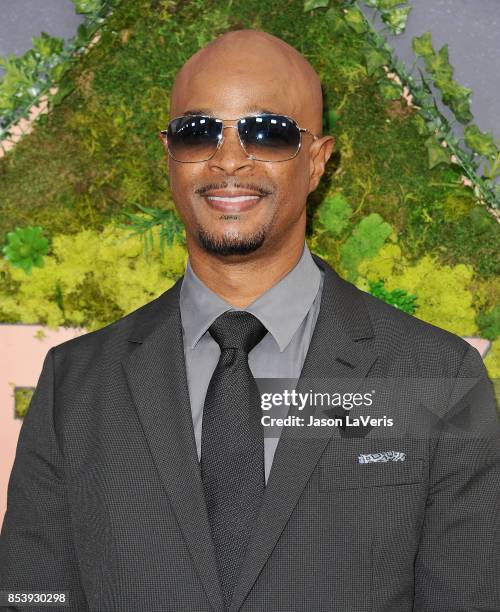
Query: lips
{"points": [[233, 200]]}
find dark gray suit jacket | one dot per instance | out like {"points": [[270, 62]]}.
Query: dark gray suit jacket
{"points": [[105, 498]]}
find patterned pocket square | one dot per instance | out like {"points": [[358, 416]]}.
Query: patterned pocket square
{"points": [[384, 456]]}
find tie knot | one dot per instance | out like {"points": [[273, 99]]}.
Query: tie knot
{"points": [[237, 329]]}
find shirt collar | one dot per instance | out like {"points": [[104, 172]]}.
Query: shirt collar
{"points": [[282, 308]]}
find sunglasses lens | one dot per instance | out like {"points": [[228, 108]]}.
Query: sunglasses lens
{"points": [[193, 138], [265, 138], [269, 137]]}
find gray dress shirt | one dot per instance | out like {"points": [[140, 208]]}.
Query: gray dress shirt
{"points": [[289, 311]]}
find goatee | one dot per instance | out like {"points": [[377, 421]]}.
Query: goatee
{"points": [[231, 245]]}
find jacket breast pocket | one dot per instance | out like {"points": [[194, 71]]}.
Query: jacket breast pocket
{"points": [[379, 474]]}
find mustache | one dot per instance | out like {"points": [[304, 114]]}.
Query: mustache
{"points": [[249, 186]]}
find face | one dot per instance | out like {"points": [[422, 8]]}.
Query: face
{"points": [[274, 209]]}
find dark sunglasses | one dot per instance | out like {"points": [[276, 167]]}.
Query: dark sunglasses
{"points": [[270, 138]]}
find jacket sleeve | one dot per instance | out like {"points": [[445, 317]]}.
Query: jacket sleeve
{"points": [[36, 547], [457, 568]]}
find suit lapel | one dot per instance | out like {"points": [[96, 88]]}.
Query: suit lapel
{"points": [[156, 375], [334, 352]]}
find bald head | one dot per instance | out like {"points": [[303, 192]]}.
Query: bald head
{"points": [[254, 69]]}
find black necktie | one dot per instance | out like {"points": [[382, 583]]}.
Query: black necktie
{"points": [[232, 443]]}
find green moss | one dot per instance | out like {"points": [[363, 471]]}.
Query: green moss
{"points": [[22, 399], [91, 278], [444, 297], [489, 323], [492, 364]]}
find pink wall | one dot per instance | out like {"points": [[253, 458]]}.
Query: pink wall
{"points": [[21, 358]]}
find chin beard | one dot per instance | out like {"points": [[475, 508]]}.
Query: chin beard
{"points": [[231, 245]]}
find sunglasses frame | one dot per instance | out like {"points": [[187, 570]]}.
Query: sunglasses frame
{"points": [[163, 136]]}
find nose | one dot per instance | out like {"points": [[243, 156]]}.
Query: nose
{"points": [[230, 157]]}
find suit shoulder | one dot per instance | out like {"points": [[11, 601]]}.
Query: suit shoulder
{"points": [[113, 333], [425, 340]]}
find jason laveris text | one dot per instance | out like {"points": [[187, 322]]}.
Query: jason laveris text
{"points": [[312, 421]]}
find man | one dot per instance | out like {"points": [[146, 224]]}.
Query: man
{"points": [[143, 480]]}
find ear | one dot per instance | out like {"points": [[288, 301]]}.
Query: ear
{"points": [[320, 152]]}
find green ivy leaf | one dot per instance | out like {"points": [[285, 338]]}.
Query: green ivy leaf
{"points": [[481, 143], [23, 396], [400, 68], [46, 46], [437, 153], [88, 6], [375, 59], [356, 19], [58, 71], [17, 76], [438, 64], [309, 5], [422, 45], [457, 97], [461, 110], [387, 5], [336, 25], [396, 19]]}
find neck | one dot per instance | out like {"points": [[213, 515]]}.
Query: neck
{"points": [[241, 279]]}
